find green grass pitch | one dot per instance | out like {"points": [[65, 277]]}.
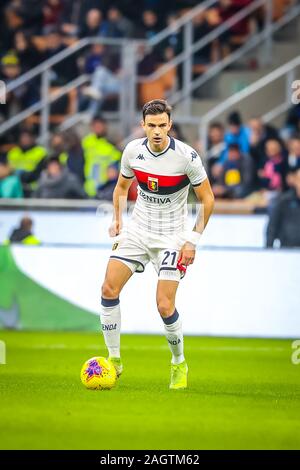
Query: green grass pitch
{"points": [[243, 394]]}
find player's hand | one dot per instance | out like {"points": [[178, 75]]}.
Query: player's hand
{"points": [[115, 228], [187, 254]]}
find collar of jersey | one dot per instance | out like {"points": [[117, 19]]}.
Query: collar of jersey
{"points": [[170, 146]]}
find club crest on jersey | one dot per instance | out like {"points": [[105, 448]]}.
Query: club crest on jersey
{"points": [[152, 184]]}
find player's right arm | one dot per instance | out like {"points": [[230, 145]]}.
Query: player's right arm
{"points": [[120, 196]]}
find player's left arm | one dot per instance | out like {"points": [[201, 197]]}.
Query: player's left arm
{"points": [[205, 197], [198, 178]]}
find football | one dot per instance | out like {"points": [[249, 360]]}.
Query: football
{"points": [[98, 373]]}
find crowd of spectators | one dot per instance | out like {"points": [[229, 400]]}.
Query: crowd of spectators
{"points": [[36, 30], [253, 160], [260, 163], [245, 160], [70, 168], [249, 160]]}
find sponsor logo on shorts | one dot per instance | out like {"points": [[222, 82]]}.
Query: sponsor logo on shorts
{"points": [[153, 184], [115, 246]]}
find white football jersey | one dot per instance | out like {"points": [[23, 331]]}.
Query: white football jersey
{"points": [[163, 183]]}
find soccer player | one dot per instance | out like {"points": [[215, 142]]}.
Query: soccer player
{"points": [[157, 231]]}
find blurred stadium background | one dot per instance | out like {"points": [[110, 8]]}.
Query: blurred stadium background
{"points": [[76, 74]]}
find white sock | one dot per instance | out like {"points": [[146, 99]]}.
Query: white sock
{"points": [[110, 316], [174, 337]]}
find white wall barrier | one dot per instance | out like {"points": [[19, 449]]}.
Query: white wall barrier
{"points": [[90, 228], [226, 292]]}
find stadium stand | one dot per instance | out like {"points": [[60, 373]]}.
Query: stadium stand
{"points": [[250, 160]]}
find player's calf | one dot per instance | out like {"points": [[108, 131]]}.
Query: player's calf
{"points": [[174, 335], [110, 316]]}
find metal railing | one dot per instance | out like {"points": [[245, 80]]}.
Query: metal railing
{"points": [[264, 36], [191, 49], [128, 82], [254, 41], [287, 70], [44, 104], [130, 57], [128, 50]]}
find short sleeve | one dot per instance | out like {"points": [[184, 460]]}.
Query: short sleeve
{"points": [[126, 169], [195, 169]]}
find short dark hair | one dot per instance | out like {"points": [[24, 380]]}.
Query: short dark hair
{"points": [[26, 223], [53, 158], [156, 107], [234, 119], [99, 118], [216, 125], [27, 132], [234, 147]]}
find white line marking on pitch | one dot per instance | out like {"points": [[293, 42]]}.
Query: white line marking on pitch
{"points": [[162, 347]]}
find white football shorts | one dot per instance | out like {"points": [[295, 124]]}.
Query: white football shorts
{"points": [[135, 249]]}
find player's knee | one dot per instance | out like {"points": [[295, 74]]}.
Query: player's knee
{"points": [[165, 307], [109, 292]]}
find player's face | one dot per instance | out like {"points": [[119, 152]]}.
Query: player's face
{"points": [[156, 128]]}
